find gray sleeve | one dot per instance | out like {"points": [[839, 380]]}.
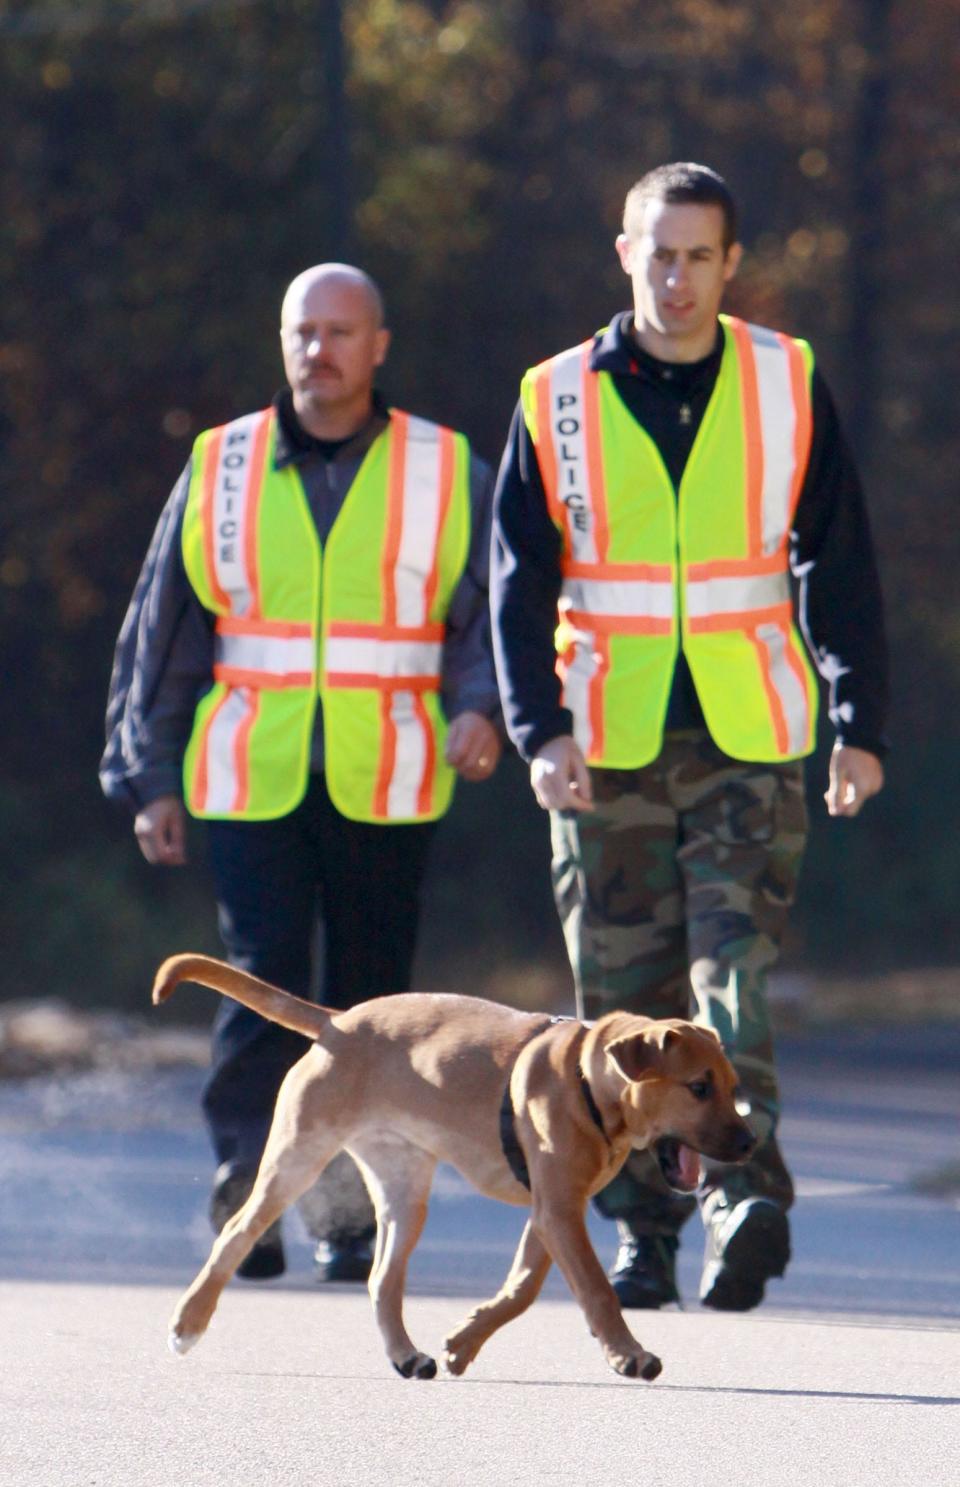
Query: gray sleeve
{"points": [[469, 681], [162, 663]]}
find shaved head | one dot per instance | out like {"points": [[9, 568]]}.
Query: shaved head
{"points": [[331, 275]]}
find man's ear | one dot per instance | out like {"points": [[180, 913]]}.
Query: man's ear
{"points": [[642, 1053]]}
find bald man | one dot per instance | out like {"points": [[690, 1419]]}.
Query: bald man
{"points": [[305, 667]]}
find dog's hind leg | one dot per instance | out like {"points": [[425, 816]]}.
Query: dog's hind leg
{"points": [[520, 1289], [398, 1176]]}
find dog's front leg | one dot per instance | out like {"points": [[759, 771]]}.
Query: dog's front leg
{"points": [[520, 1289], [563, 1229]]}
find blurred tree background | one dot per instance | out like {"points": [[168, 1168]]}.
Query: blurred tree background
{"points": [[170, 164]]}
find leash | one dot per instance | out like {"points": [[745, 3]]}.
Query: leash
{"points": [[508, 1120]]}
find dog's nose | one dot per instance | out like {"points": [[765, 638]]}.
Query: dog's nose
{"points": [[742, 1140]]}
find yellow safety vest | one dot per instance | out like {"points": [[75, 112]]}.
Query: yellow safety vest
{"points": [[359, 623], [647, 569]]}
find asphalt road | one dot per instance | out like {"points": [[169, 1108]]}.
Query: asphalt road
{"points": [[848, 1376]]}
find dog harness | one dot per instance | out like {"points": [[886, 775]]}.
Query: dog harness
{"points": [[512, 1149]]}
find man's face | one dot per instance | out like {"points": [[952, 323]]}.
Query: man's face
{"points": [[332, 345], [679, 269]]}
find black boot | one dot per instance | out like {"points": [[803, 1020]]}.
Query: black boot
{"points": [[644, 1274], [748, 1243]]}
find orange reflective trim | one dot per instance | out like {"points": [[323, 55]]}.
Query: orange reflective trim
{"points": [[399, 429], [547, 455], [595, 703], [425, 793], [347, 630], [255, 484], [752, 436], [742, 619], [261, 681], [447, 460], [803, 426], [241, 753], [201, 777], [777, 714], [388, 755], [739, 567], [211, 465], [797, 667], [229, 624], [384, 684], [594, 446], [652, 572], [617, 624]]}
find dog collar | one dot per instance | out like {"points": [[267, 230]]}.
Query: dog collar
{"points": [[512, 1149]]}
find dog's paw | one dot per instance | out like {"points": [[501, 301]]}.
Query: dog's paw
{"points": [[180, 1343], [636, 1365], [417, 1366]]}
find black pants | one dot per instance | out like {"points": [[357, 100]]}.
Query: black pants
{"points": [[274, 881]]}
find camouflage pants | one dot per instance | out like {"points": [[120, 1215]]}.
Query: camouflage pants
{"points": [[680, 882]]}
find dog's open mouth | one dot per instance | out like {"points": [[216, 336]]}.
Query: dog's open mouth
{"points": [[679, 1164]]}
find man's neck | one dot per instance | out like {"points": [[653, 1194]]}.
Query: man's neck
{"points": [[331, 425], [676, 349]]}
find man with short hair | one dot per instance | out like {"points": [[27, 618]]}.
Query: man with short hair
{"points": [[661, 485], [305, 666]]}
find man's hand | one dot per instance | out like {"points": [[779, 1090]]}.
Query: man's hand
{"points": [[161, 831], [560, 778], [855, 775], [473, 746]]}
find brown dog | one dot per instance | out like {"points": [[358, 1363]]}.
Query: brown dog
{"points": [[530, 1109]]}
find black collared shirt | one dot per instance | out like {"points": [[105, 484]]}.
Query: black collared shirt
{"points": [[831, 555]]}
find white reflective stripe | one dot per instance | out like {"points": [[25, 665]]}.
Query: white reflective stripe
{"points": [[410, 759], [420, 521], [222, 782], [707, 596], [279, 655], [778, 420], [568, 433], [371, 656], [632, 598], [576, 688], [792, 693], [231, 506]]}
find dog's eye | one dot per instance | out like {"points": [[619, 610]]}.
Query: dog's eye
{"points": [[701, 1089]]}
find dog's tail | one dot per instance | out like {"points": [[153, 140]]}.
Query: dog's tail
{"points": [[279, 1006]]}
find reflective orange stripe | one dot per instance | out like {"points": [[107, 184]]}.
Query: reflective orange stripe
{"points": [[425, 795], [546, 456], [598, 484], [737, 567], [447, 456], [752, 436], [260, 681], [601, 650], [654, 572], [347, 630], [241, 755], [803, 428], [384, 684], [230, 624], [745, 619], [258, 456], [777, 714], [388, 754], [201, 782], [210, 467], [391, 540], [618, 624]]}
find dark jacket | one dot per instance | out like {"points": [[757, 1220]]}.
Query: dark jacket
{"points": [[164, 656], [831, 556]]}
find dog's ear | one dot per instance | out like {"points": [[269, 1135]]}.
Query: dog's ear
{"points": [[642, 1053]]}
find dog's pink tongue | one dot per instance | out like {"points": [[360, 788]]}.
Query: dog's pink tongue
{"points": [[689, 1166]]}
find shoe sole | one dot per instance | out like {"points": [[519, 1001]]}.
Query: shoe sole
{"points": [[758, 1250]]}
